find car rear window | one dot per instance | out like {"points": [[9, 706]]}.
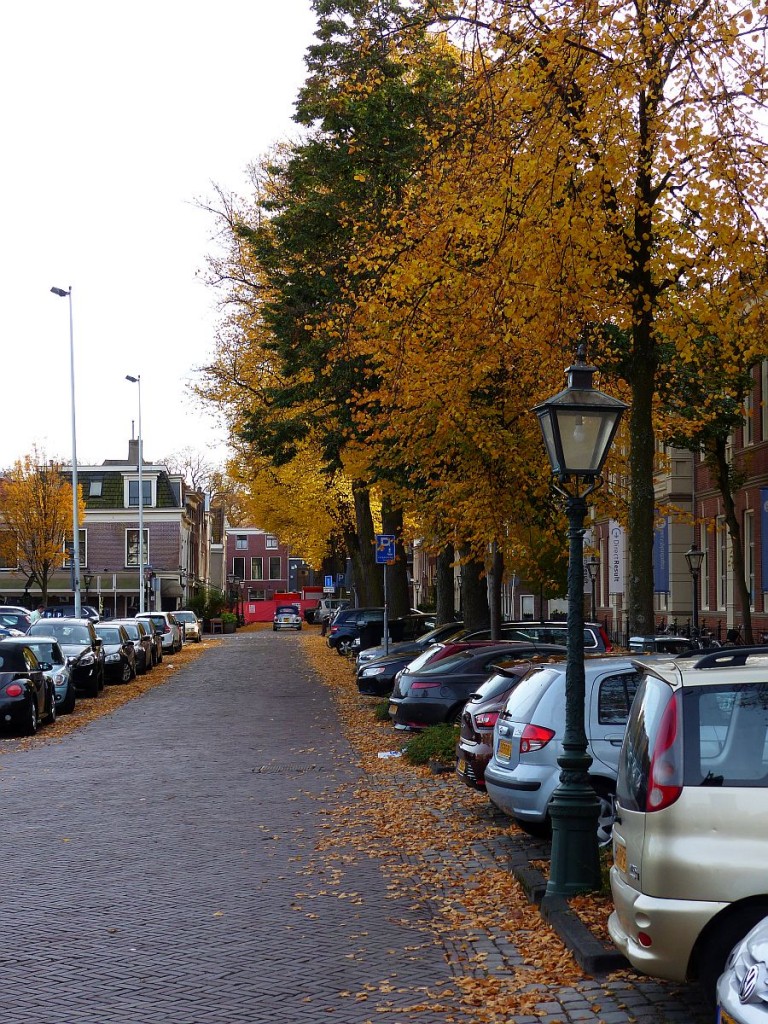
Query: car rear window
{"points": [[498, 684], [525, 698], [725, 735], [12, 660]]}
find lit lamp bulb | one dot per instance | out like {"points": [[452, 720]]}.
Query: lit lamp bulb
{"points": [[578, 430]]}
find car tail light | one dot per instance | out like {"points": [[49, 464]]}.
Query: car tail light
{"points": [[424, 687], [487, 719], [535, 737], [14, 690], [665, 782]]}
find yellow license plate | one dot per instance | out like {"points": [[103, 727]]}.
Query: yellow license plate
{"points": [[724, 1017], [620, 857], [505, 749], [461, 766], [393, 709]]}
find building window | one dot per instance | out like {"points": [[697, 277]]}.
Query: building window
{"points": [[238, 567], [132, 547], [67, 557], [703, 544], [749, 555], [94, 489], [764, 400], [722, 563], [526, 606], [749, 421], [241, 542], [257, 595], [275, 570], [133, 493], [271, 542], [257, 569]]}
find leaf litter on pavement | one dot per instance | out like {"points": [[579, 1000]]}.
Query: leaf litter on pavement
{"points": [[427, 829]]}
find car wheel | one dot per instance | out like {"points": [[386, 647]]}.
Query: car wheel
{"points": [[32, 722], [126, 675], [344, 648], [51, 716], [69, 701], [724, 932]]}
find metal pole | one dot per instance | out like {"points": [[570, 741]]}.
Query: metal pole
{"points": [[142, 582], [695, 602], [62, 292], [386, 613], [574, 809]]}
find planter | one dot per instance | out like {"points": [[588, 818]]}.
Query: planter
{"points": [[230, 627]]}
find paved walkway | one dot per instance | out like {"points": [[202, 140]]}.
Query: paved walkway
{"points": [[162, 865]]}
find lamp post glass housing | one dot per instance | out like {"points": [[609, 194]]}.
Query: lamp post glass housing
{"points": [[578, 426]]}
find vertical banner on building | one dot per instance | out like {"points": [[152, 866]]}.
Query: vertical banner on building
{"points": [[588, 543], [661, 557], [764, 537], [615, 559]]}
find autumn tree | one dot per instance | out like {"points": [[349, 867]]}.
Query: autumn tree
{"points": [[36, 511]]}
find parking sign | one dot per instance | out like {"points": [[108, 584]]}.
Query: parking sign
{"points": [[385, 548]]}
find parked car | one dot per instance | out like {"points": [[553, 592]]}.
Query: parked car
{"points": [[413, 645], [193, 627], [56, 667], [15, 621], [168, 626], [402, 628], [348, 623], [27, 696], [80, 644], [119, 653], [67, 611], [596, 640], [523, 772], [662, 645], [474, 747], [438, 691], [689, 877], [324, 609], [376, 676], [287, 616], [742, 990], [143, 639]]}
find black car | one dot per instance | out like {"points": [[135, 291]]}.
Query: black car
{"points": [[348, 625], [143, 642], [83, 649], [376, 675], [438, 692], [27, 696], [119, 652]]}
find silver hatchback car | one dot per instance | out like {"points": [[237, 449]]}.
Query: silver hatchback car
{"points": [[523, 772]]}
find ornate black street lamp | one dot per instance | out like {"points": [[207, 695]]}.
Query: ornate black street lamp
{"points": [[694, 556], [592, 565], [578, 426]]}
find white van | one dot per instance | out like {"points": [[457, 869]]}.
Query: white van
{"points": [[690, 841]]}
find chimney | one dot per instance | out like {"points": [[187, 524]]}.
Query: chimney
{"points": [[133, 452]]}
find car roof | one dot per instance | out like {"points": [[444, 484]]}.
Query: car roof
{"points": [[729, 665]]}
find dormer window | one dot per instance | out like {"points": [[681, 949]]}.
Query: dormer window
{"points": [[131, 491], [95, 488]]}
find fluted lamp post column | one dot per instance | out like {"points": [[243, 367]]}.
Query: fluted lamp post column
{"points": [[578, 426]]}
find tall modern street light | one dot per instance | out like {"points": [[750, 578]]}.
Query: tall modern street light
{"points": [[694, 556], [67, 294], [593, 568], [137, 380], [578, 426]]}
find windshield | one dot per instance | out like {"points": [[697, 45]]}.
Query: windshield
{"points": [[109, 634], [65, 632], [186, 616], [287, 609], [46, 650]]}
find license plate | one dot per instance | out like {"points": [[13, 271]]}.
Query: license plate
{"points": [[393, 709], [620, 857], [461, 766], [505, 749], [723, 1017]]}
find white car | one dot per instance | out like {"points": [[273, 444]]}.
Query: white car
{"points": [[169, 628], [286, 616], [742, 991], [191, 625], [689, 878]]}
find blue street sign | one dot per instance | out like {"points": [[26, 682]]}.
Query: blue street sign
{"points": [[385, 548], [329, 582]]}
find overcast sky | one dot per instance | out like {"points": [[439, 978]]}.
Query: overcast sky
{"points": [[116, 120]]}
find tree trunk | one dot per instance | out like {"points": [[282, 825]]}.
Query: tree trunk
{"points": [[719, 463], [398, 591], [474, 595], [495, 574], [639, 586], [445, 594], [370, 581]]}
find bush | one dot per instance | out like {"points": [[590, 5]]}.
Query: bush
{"points": [[381, 711], [435, 743]]}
